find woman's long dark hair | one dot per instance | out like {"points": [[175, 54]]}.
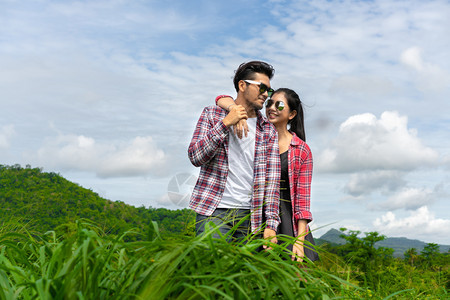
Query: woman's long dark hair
{"points": [[297, 125]]}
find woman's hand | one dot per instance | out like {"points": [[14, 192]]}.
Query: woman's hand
{"points": [[241, 128], [298, 251]]}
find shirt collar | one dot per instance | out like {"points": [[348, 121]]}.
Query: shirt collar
{"points": [[261, 120], [295, 141]]}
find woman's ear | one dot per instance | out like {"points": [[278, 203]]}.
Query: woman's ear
{"points": [[292, 114]]}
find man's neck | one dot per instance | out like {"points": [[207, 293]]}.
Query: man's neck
{"points": [[251, 112]]}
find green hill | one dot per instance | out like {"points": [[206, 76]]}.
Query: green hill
{"points": [[332, 236], [400, 245], [45, 201]]}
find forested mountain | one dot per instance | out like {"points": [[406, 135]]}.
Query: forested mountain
{"points": [[45, 201], [400, 245]]}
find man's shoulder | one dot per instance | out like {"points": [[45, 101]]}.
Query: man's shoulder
{"points": [[214, 109]]}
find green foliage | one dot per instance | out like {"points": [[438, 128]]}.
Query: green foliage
{"points": [[411, 256], [90, 264], [47, 201], [431, 254], [93, 265], [362, 254], [430, 260], [360, 262], [399, 244]]}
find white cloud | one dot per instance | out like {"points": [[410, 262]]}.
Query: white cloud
{"points": [[6, 132], [412, 57], [137, 157], [369, 86], [446, 161], [367, 143], [366, 182], [429, 76], [421, 224], [408, 198]]}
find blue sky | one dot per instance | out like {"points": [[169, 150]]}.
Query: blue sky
{"points": [[107, 93]]}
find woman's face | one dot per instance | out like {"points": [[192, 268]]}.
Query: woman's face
{"points": [[273, 112]]}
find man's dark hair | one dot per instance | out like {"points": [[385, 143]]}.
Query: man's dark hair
{"points": [[248, 70]]}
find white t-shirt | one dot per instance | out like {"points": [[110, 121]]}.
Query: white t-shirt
{"points": [[241, 155]]}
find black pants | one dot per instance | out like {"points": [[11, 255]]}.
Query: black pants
{"points": [[227, 220]]}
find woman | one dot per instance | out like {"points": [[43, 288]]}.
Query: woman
{"points": [[282, 109]]}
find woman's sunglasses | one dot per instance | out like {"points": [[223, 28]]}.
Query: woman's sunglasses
{"points": [[262, 87], [278, 104]]}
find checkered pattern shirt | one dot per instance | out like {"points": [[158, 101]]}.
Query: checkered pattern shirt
{"points": [[208, 149], [300, 176]]}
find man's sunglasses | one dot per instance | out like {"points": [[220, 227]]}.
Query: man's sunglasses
{"points": [[262, 87], [278, 104]]}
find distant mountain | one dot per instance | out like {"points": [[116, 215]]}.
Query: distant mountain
{"points": [[332, 236], [399, 244]]}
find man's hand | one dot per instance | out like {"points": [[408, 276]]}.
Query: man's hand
{"points": [[237, 113], [271, 235]]}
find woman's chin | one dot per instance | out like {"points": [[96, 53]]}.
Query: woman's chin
{"points": [[273, 120]]}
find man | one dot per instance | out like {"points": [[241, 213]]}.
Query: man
{"points": [[238, 177]]}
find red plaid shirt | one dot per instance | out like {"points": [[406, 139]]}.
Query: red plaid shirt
{"points": [[208, 150], [300, 176]]}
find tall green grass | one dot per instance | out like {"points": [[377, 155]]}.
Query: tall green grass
{"points": [[207, 268], [87, 264], [91, 265]]}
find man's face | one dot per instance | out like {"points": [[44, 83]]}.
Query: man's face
{"points": [[252, 94]]}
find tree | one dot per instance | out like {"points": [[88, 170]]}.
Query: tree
{"points": [[411, 256], [430, 254], [362, 253]]}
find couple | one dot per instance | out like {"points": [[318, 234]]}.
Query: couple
{"points": [[266, 174]]}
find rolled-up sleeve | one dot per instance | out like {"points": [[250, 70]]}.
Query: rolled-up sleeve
{"points": [[303, 190]]}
